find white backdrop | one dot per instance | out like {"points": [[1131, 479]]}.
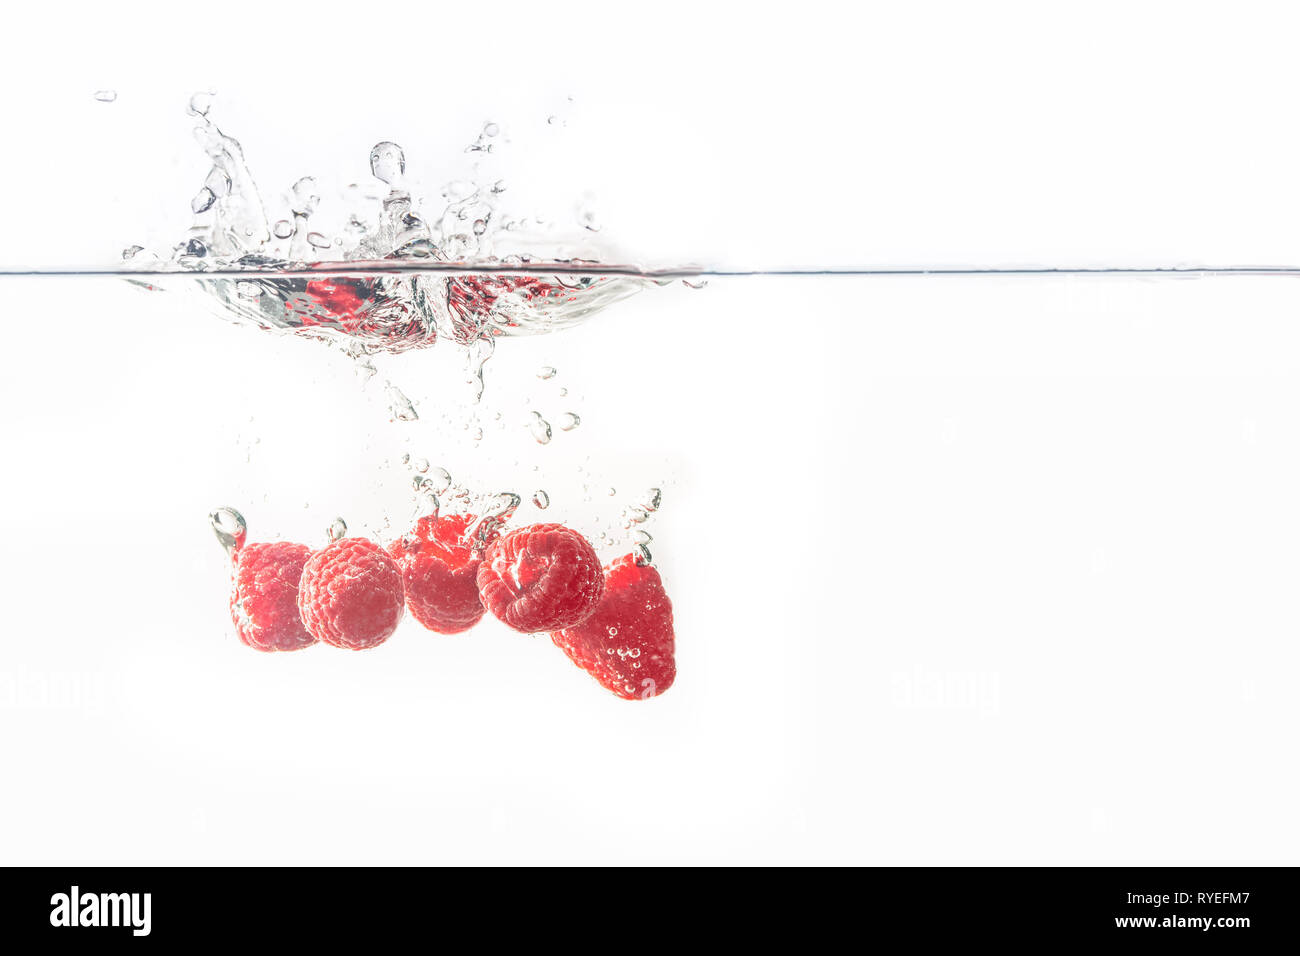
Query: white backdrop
{"points": [[965, 570]]}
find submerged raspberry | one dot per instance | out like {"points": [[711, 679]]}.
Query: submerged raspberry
{"points": [[627, 644], [351, 594], [540, 578], [264, 596], [439, 572]]}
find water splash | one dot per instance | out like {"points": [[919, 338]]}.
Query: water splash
{"points": [[377, 304]]}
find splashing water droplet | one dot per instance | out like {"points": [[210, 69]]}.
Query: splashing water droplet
{"points": [[338, 530], [203, 201], [387, 162], [302, 197], [201, 103], [230, 528], [106, 96], [540, 428], [541, 499], [569, 421]]}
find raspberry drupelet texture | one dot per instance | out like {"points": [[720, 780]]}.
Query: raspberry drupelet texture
{"points": [[264, 596], [351, 594], [439, 574], [627, 644], [540, 578]]}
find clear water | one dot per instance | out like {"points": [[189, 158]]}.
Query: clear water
{"points": [[926, 534]]}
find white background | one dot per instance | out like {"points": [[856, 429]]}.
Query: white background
{"points": [[965, 571]]}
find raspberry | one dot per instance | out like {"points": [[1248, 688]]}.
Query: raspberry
{"points": [[439, 572], [264, 596], [628, 643], [540, 578], [351, 594]]}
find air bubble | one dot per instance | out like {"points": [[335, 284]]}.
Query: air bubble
{"points": [[421, 465], [652, 499], [440, 479], [318, 240], [338, 530], [541, 499], [401, 407], [106, 96], [282, 229], [540, 428], [248, 290], [230, 528], [569, 421], [546, 371]]}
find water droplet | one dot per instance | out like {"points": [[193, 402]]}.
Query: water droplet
{"points": [[540, 428], [651, 500], [230, 528], [569, 421], [282, 229], [387, 162], [200, 103], [302, 197], [106, 96], [338, 530], [545, 372], [203, 201], [541, 499]]}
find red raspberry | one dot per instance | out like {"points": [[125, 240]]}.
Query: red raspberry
{"points": [[264, 596], [439, 572], [351, 594], [540, 578], [628, 643]]}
